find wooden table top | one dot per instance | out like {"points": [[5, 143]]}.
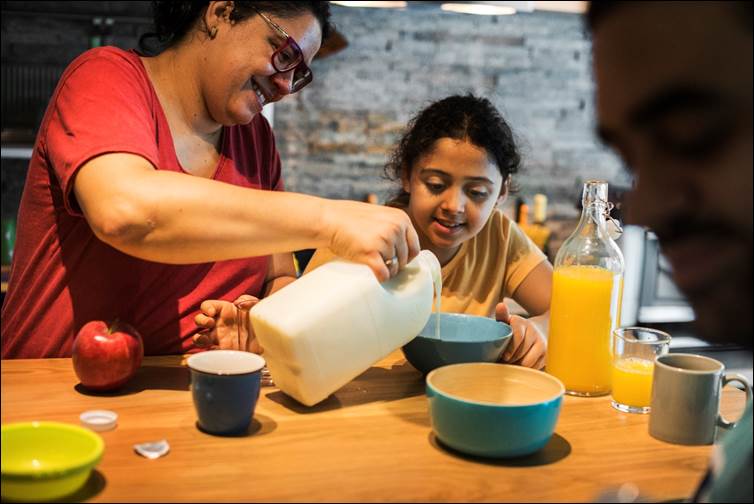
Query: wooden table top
{"points": [[370, 441]]}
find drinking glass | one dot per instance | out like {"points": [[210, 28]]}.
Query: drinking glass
{"points": [[245, 331], [634, 352]]}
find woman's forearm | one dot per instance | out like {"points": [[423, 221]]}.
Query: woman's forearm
{"points": [[177, 218], [281, 272], [202, 220]]}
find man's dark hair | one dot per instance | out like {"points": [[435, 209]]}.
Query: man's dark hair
{"points": [[174, 19], [597, 11]]}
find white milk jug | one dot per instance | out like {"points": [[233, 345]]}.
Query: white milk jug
{"points": [[332, 324]]}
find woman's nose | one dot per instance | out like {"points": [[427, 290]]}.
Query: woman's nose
{"points": [[283, 82]]}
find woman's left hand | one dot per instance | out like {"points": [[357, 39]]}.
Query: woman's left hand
{"points": [[527, 347], [218, 320]]}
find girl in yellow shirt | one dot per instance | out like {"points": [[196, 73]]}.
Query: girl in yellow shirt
{"points": [[454, 166]]}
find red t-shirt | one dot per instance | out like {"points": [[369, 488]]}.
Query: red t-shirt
{"points": [[62, 275]]}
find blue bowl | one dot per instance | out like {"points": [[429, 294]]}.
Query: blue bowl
{"points": [[463, 338], [493, 410]]}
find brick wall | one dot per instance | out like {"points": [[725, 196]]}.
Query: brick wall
{"points": [[334, 137]]}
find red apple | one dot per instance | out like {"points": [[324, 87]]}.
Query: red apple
{"points": [[105, 358]]}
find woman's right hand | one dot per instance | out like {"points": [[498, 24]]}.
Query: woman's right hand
{"points": [[371, 234]]}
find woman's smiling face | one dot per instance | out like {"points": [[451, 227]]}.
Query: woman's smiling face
{"points": [[237, 76], [453, 189]]}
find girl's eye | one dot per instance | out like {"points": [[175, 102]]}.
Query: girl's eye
{"points": [[434, 188], [478, 195]]}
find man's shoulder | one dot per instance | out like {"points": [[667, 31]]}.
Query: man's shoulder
{"points": [[731, 464]]}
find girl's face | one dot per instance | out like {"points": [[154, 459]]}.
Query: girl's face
{"points": [[454, 188], [237, 77]]}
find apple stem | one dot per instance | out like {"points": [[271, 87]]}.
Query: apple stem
{"points": [[112, 326]]}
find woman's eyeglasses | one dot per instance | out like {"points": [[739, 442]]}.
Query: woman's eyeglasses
{"points": [[289, 57]]}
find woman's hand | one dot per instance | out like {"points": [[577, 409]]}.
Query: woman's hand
{"points": [[527, 347], [219, 322], [371, 235]]}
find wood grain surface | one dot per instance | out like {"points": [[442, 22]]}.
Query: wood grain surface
{"points": [[370, 441]]}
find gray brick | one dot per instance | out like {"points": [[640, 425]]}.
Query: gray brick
{"points": [[336, 135]]}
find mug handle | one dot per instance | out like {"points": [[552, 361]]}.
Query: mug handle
{"points": [[729, 378]]}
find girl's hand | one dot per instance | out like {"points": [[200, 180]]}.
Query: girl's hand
{"points": [[527, 347], [218, 320]]}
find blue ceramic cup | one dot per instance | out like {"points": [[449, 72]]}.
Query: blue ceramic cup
{"points": [[225, 386], [463, 338], [493, 410]]}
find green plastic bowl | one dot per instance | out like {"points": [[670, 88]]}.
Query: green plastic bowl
{"points": [[47, 460]]}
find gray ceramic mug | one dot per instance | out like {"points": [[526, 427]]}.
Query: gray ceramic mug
{"points": [[686, 392]]}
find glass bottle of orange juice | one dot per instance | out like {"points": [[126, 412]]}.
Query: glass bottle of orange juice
{"points": [[586, 296]]}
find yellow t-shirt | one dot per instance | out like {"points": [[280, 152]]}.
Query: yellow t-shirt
{"points": [[487, 268]]}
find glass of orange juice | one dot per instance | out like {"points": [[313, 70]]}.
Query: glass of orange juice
{"points": [[634, 353]]}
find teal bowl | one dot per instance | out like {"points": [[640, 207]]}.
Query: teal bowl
{"points": [[493, 410], [463, 338], [47, 460]]}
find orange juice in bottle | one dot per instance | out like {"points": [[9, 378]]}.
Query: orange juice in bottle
{"points": [[585, 305]]}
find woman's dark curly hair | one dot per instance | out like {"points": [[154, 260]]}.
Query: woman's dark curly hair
{"points": [[468, 118], [173, 19]]}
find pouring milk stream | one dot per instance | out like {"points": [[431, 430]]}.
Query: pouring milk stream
{"points": [[332, 324]]}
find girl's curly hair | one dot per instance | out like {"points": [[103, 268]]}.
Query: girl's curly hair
{"points": [[458, 117]]}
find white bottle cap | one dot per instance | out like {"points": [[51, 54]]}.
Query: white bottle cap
{"points": [[99, 420]]}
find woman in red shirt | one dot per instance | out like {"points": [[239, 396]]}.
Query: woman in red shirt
{"points": [[155, 183]]}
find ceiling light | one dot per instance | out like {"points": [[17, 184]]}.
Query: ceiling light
{"points": [[379, 5], [572, 7], [489, 8], [479, 8]]}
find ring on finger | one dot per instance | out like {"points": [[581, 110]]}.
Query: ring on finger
{"points": [[391, 261]]}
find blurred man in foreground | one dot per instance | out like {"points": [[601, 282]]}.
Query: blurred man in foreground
{"points": [[674, 99]]}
